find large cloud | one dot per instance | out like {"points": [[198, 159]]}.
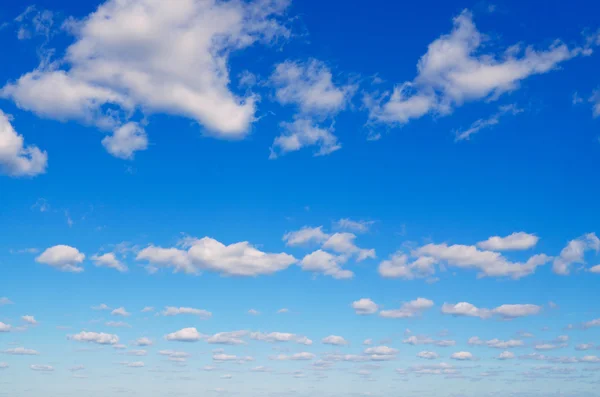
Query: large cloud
{"points": [[95, 337], [574, 253], [157, 56], [16, 158], [62, 257]]}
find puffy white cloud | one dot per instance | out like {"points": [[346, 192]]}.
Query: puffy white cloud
{"points": [[184, 335], [574, 253], [29, 320], [148, 309], [514, 311], [174, 311], [365, 306], [239, 259], [343, 243], [109, 260], [143, 342], [428, 355], [227, 338], [424, 340], [595, 269], [462, 356], [592, 323], [173, 59], [400, 266], [283, 311], [62, 257], [334, 340], [126, 140], [309, 85], [304, 356], [281, 337], [548, 346], [465, 309], [101, 306], [506, 355], [454, 71], [301, 133], [253, 312], [515, 241], [305, 235], [21, 351], [381, 351], [496, 343], [326, 263], [16, 158], [95, 337], [5, 327], [584, 346], [505, 311], [121, 311], [590, 359], [408, 309], [42, 368]]}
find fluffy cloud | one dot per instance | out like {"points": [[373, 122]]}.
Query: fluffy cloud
{"points": [[506, 356], [507, 312], [496, 343], [304, 356], [515, 241], [41, 368], [462, 356], [62, 257], [301, 133], [95, 337], [326, 263], [343, 243], [281, 337], [109, 260], [5, 327], [400, 266], [173, 355], [574, 253], [101, 306], [227, 338], [126, 140], [16, 158], [21, 351], [334, 340], [174, 311], [365, 306], [29, 320], [454, 71], [173, 59], [428, 355], [5, 301], [121, 311], [305, 235], [424, 340], [143, 342], [408, 309], [239, 259], [184, 335]]}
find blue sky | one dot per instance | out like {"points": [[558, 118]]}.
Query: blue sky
{"points": [[292, 198]]}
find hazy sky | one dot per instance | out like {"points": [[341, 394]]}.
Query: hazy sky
{"points": [[299, 198]]}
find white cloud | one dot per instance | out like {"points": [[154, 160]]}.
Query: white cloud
{"points": [[5, 301], [305, 235], [481, 124], [399, 266], [465, 309], [21, 351], [454, 71], [126, 140], [174, 311], [5, 327], [148, 309], [586, 325], [343, 243], [283, 311], [355, 226], [574, 253], [143, 342], [95, 337], [506, 355], [408, 309], [326, 263], [304, 356], [29, 320], [514, 241], [173, 59], [136, 364], [595, 269], [184, 335], [496, 343], [334, 340], [137, 353], [253, 312], [462, 356], [424, 340], [62, 257], [301, 133], [507, 312], [101, 306], [121, 311], [109, 260], [16, 158], [365, 306], [381, 351], [227, 338], [309, 85], [239, 259], [280, 337], [42, 368], [514, 311], [428, 355], [3, 365]]}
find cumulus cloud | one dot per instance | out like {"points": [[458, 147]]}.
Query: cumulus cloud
{"points": [[95, 337], [365, 306], [496, 343], [109, 260], [227, 338], [126, 140], [427, 355], [184, 335], [304, 356], [174, 311], [143, 342], [29, 320], [21, 351], [455, 71], [305, 235], [506, 355], [323, 262], [334, 340], [62, 257], [301, 133], [400, 266], [462, 356], [121, 311], [514, 241], [507, 312], [16, 158], [281, 337], [574, 253], [41, 368], [173, 59], [408, 309], [101, 306], [425, 340], [343, 243], [239, 259]]}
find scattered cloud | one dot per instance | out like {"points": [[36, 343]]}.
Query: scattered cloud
{"points": [[409, 309], [365, 306], [574, 253], [174, 311], [95, 337], [62, 257], [514, 241], [109, 260], [16, 158]]}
